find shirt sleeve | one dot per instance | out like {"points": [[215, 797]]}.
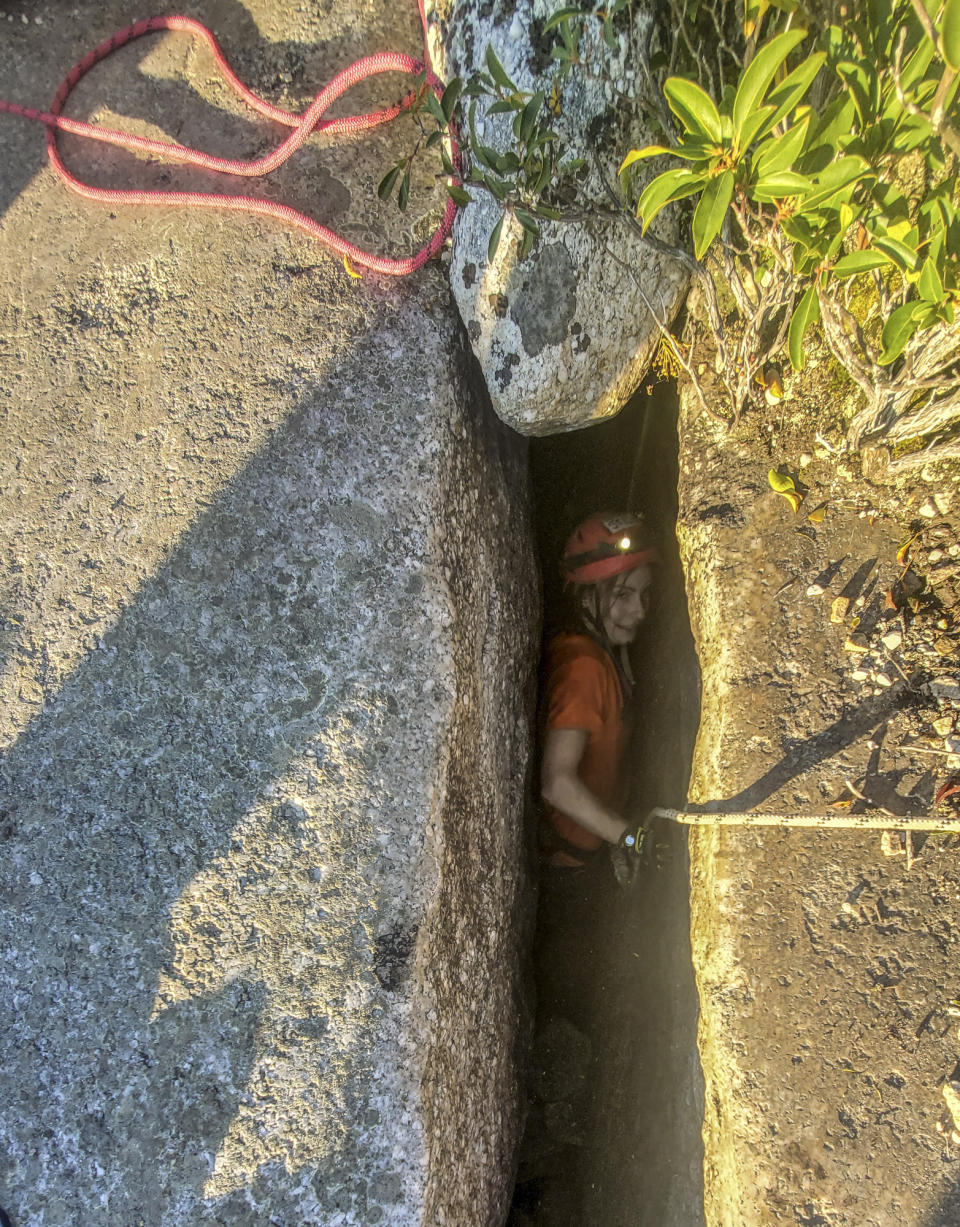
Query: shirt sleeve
{"points": [[575, 699]]}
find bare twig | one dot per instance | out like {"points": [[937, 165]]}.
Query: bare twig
{"points": [[668, 336]]}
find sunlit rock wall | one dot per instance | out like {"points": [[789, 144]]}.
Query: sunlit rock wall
{"points": [[268, 630]]}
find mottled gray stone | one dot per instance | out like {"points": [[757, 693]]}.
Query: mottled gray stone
{"points": [[563, 337]]}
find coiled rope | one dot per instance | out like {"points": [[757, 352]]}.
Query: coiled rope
{"points": [[311, 120]]}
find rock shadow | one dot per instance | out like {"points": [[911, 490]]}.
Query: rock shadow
{"points": [[139, 1009], [119, 86]]}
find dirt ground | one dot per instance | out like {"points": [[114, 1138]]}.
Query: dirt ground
{"points": [[826, 960]]}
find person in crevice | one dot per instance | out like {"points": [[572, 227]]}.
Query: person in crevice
{"points": [[608, 566]]}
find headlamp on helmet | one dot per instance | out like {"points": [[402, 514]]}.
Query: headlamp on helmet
{"points": [[607, 544]]}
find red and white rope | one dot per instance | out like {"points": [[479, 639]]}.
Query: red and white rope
{"points": [[302, 125]]}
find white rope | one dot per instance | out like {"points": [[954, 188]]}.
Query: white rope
{"points": [[841, 821]]}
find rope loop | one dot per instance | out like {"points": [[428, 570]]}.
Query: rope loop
{"points": [[302, 125]]}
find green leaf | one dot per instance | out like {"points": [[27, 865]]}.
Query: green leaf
{"points": [[779, 153], [458, 195], [432, 103], [527, 221], [779, 186], [905, 258], [806, 313], [449, 98], [608, 35], [528, 118], [671, 185], [950, 34], [898, 330], [752, 127], [498, 189], [637, 155], [798, 230], [694, 108], [858, 79], [710, 211], [788, 93], [497, 70], [917, 64], [387, 183], [564, 14], [758, 75], [504, 105], [495, 238], [859, 262], [836, 181], [929, 285], [404, 194], [835, 122], [911, 132]]}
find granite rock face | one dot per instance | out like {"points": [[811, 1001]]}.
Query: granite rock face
{"points": [[269, 620], [564, 336]]}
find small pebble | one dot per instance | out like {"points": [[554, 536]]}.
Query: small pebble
{"points": [[934, 555], [805, 459], [892, 640], [816, 590], [943, 646], [952, 745], [859, 675], [943, 725], [928, 509], [942, 624], [883, 679]]}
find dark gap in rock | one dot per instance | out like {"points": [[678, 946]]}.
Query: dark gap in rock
{"points": [[615, 1093]]}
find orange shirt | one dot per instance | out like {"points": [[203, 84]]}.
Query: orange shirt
{"points": [[582, 691]]}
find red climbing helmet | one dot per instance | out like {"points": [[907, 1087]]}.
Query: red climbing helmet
{"points": [[606, 544]]}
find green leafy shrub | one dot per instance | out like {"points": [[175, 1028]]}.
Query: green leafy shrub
{"points": [[824, 176]]}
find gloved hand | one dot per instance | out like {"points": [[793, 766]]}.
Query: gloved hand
{"points": [[627, 855]]}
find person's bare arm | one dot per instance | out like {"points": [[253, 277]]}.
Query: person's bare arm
{"points": [[561, 786]]}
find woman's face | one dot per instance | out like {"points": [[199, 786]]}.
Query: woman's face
{"points": [[624, 606]]}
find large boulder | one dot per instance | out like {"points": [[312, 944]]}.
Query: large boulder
{"points": [[564, 336], [269, 619]]}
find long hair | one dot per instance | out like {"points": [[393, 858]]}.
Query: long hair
{"points": [[583, 606]]}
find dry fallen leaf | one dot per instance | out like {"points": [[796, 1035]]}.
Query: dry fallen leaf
{"points": [[817, 517], [904, 550], [843, 802], [838, 610], [889, 600], [781, 482], [794, 499]]}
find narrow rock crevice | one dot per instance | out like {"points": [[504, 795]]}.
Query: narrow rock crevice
{"points": [[615, 1094]]}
